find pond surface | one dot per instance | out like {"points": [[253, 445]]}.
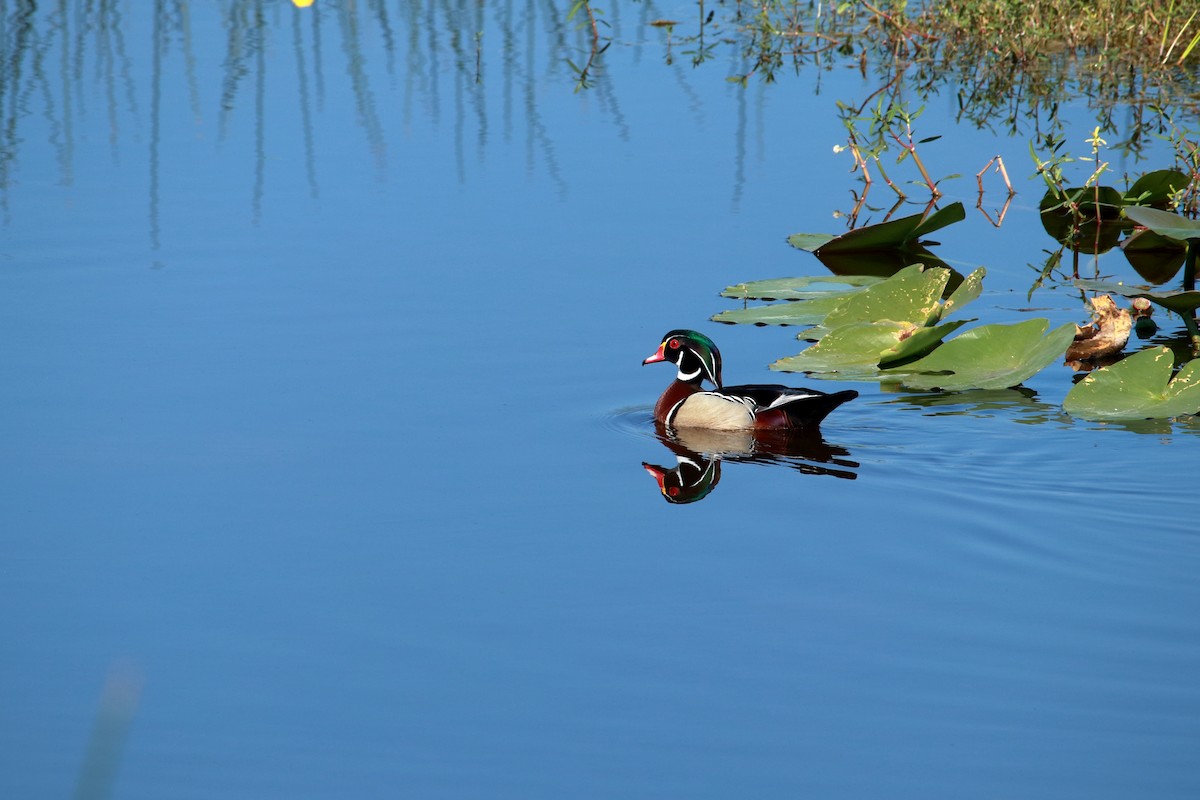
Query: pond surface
{"points": [[324, 426]]}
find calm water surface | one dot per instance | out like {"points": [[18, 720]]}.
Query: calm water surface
{"points": [[324, 424]]}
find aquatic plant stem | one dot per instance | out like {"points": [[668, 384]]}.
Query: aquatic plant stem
{"points": [[912, 151], [1189, 285]]}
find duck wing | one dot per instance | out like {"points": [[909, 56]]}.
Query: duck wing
{"points": [[800, 407]]}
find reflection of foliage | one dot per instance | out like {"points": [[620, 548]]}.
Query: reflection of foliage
{"points": [[1009, 64], [888, 125], [585, 77]]}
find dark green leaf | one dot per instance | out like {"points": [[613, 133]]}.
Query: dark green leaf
{"points": [[1164, 223]]}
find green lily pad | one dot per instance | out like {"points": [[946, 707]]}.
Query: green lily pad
{"points": [[968, 290], [919, 342], [804, 306], [1179, 301], [795, 288], [861, 349], [1165, 223], [892, 235], [1156, 188], [1137, 387], [803, 312], [883, 263], [852, 350], [988, 357], [911, 295]]}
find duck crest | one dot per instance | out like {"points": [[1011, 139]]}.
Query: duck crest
{"points": [[696, 356]]}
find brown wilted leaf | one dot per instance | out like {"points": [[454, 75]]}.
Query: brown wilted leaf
{"points": [[1105, 335]]}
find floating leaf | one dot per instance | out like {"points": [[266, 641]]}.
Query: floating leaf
{"points": [[919, 342], [1137, 387], [794, 288], [911, 295], [968, 290], [811, 241], [852, 351], [1155, 188], [895, 234], [1165, 223], [804, 306], [988, 357], [802, 312]]}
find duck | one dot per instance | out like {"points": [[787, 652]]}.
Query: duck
{"points": [[750, 407]]}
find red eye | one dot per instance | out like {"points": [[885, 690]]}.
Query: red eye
{"points": [[673, 491], [673, 344]]}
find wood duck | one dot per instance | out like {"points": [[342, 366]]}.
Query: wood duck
{"points": [[754, 407]]}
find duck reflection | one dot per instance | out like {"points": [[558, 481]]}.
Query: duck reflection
{"points": [[699, 453]]}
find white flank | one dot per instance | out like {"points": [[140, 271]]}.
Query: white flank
{"points": [[714, 411]]}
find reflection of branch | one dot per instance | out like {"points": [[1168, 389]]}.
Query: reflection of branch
{"points": [[999, 217], [306, 125], [999, 162]]}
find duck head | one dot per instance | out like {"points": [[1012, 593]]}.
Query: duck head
{"points": [[693, 353]]}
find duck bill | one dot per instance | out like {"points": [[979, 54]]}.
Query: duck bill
{"points": [[658, 356]]}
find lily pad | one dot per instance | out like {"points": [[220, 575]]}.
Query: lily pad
{"points": [[968, 290], [795, 288], [1137, 387], [988, 357], [1155, 188], [882, 263], [851, 351], [804, 306], [892, 235], [919, 342], [803, 312], [1164, 223], [911, 295]]}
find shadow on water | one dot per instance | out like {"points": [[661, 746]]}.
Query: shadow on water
{"points": [[700, 454]]}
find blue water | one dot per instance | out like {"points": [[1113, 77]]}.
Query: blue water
{"points": [[324, 425]]}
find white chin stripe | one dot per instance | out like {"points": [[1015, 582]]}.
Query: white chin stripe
{"points": [[687, 376]]}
